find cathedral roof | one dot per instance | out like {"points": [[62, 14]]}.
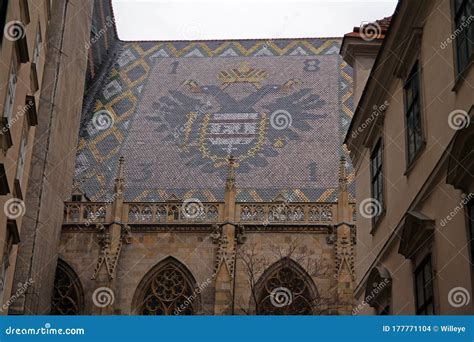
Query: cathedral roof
{"points": [[176, 110]]}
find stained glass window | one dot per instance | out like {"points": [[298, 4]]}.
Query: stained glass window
{"points": [[286, 291], [67, 293], [170, 291]]}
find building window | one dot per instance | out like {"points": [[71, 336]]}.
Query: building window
{"points": [[3, 18], [21, 160], [9, 101], [38, 47], [464, 30], [470, 216], [413, 114], [424, 288], [377, 178], [5, 262], [286, 278], [68, 298], [169, 291], [35, 63]]}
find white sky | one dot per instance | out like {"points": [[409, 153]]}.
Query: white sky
{"points": [[240, 19]]}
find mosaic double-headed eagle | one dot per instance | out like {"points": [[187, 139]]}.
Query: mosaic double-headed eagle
{"points": [[209, 122]]}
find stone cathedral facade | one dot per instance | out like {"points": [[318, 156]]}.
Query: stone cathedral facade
{"points": [[210, 179]]}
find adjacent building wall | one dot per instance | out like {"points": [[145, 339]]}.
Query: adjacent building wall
{"points": [[23, 50], [53, 152], [417, 32]]}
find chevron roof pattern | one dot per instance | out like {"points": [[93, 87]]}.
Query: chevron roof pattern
{"points": [[177, 110]]}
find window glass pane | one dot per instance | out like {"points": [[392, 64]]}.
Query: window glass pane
{"points": [[470, 35], [10, 92], [409, 96], [418, 135], [457, 5], [461, 53], [428, 281], [21, 160], [374, 189], [471, 228], [410, 122], [419, 290], [414, 82], [38, 46], [411, 145]]}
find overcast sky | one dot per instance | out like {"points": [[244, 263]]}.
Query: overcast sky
{"points": [[240, 19]]}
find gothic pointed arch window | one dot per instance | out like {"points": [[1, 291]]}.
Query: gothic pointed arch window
{"points": [[285, 288], [68, 296], [168, 289]]}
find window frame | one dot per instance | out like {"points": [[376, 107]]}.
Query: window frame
{"points": [[5, 262], [421, 307], [38, 47], [20, 170], [11, 91], [411, 102], [3, 17], [470, 228], [457, 14], [377, 177]]}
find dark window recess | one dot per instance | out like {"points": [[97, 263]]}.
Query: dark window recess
{"points": [[4, 188], [22, 48], [424, 288], [470, 214], [12, 232], [464, 31], [3, 17], [76, 198], [377, 178], [31, 114], [68, 299], [414, 134]]}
